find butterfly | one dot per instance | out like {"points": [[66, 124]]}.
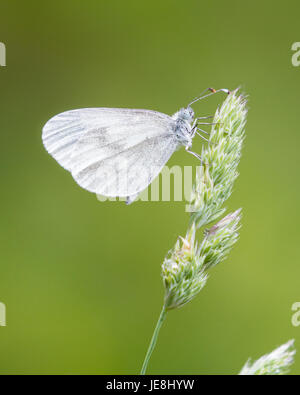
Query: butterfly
{"points": [[118, 152]]}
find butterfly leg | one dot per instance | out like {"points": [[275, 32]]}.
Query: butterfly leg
{"points": [[203, 131], [193, 153], [195, 127], [210, 116], [208, 123], [200, 118], [204, 138]]}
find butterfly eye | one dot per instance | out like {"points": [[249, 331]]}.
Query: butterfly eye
{"points": [[190, 113]]}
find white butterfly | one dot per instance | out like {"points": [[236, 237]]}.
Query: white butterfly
{"points": [[118, 152]]}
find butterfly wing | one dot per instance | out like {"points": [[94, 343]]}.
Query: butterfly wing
{"points": [[112, 152], [61, 133]]}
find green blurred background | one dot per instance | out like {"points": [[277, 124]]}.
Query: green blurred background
{"points": [[81, 279]]}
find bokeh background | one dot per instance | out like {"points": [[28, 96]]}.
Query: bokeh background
{"points": [[81, 279]]}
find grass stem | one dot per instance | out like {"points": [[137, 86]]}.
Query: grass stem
{"points": [[153, 340]]}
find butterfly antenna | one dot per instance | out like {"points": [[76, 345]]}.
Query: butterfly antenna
{"points": [[212, 92]]}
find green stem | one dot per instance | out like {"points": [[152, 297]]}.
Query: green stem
{"points": [[154, 339]]}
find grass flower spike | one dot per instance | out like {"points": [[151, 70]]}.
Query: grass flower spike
{"points": [[277, 362], [185, 269], [182, 272], [215, 179]]}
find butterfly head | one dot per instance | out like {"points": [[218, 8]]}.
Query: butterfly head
{"points": [[186, 114]]}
